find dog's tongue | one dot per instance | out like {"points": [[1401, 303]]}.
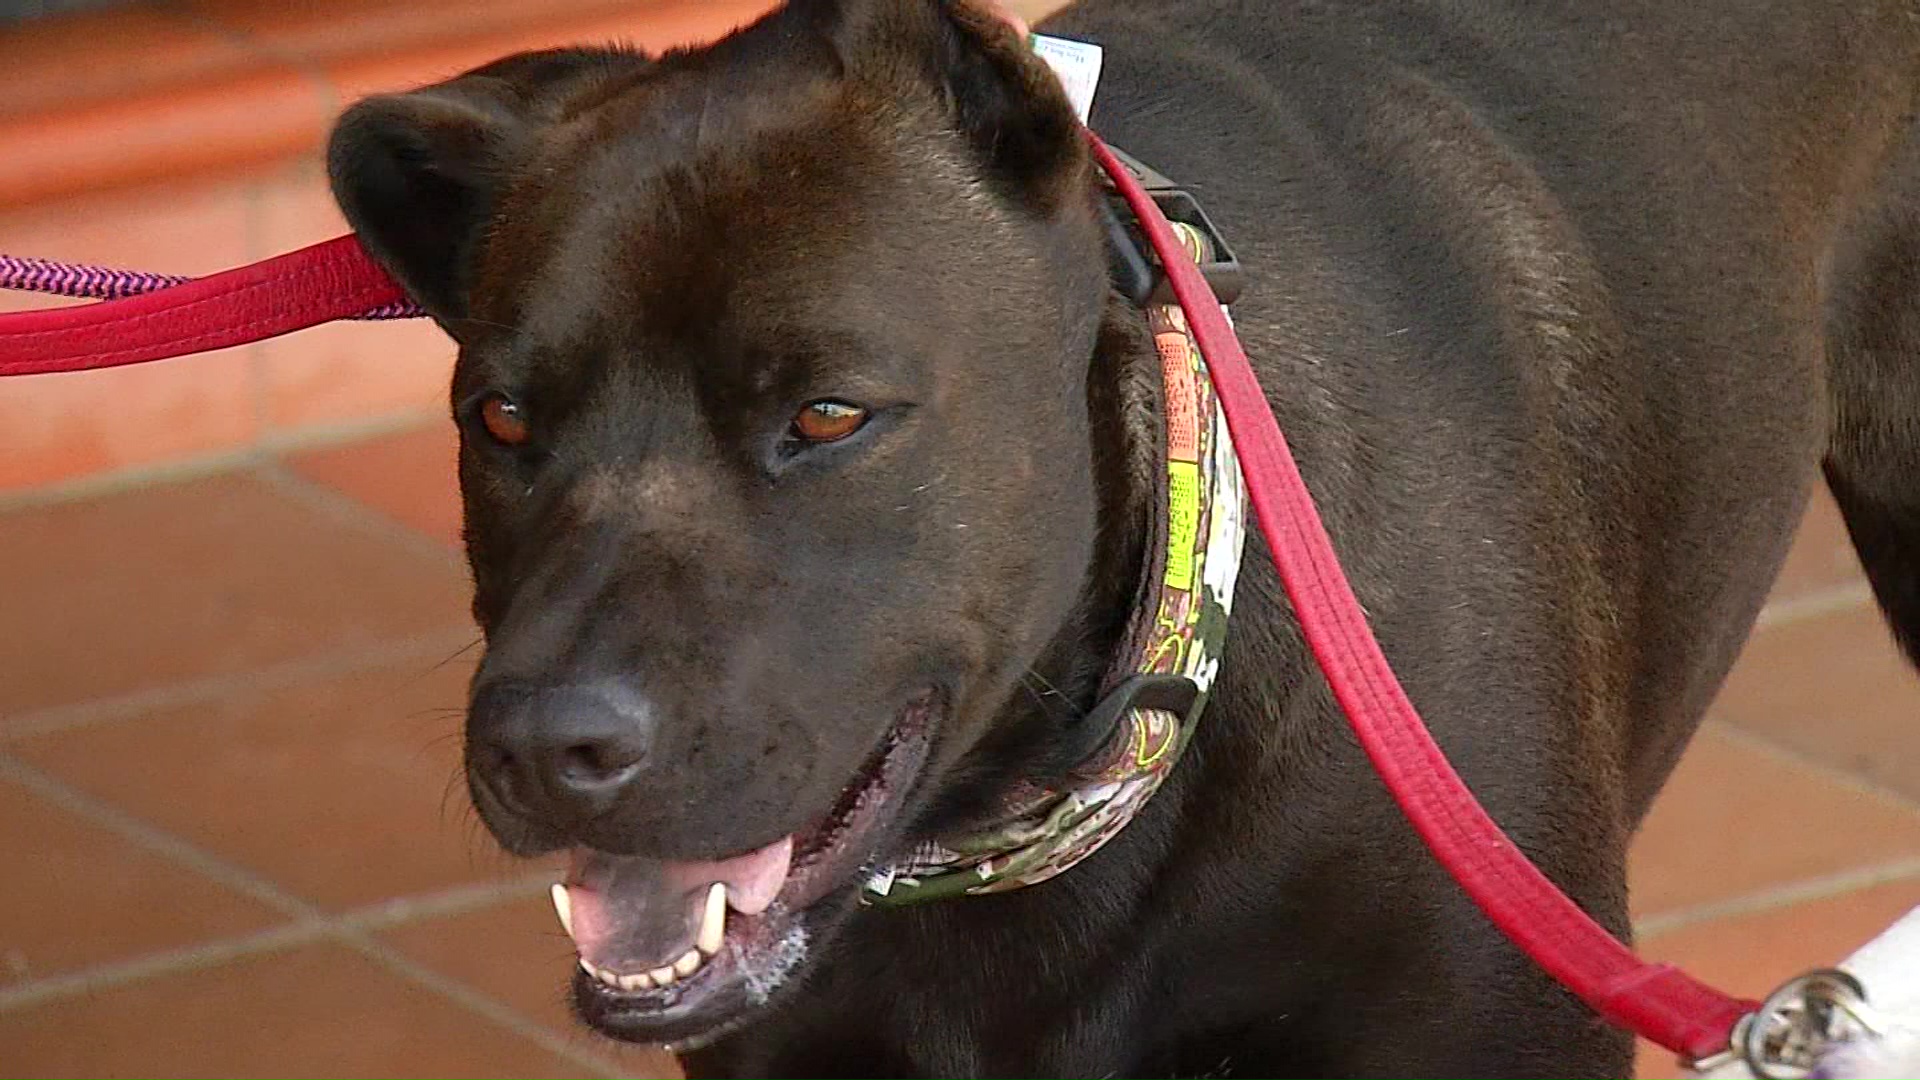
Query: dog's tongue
{"points": [[626, 911]]}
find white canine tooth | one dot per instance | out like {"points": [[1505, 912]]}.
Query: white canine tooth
{"points": [[687, 964], [713, 922], [563, 906], [589, 968], [608, 977], [663, 976], [636, 982]]}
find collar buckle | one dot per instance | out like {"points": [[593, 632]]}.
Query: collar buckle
{"points": [[1135, 269]]}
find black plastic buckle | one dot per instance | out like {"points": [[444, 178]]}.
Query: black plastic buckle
{"points": [[1136, 270], [1174, 693]]}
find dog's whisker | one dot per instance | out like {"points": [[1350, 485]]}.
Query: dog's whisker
{"points": [[436, 724], [442, 739], [1048, 694], [1034, 673], [468, 320], [458, 653], [456, 782]]}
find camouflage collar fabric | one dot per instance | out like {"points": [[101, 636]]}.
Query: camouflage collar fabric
{"points": [[1177, 633]]}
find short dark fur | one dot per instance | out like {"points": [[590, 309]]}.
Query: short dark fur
{"points": [[1561, 304]]}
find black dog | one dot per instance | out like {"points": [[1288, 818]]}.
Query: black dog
{"points": [[806, 456]]}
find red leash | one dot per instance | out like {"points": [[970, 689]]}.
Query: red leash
{"points": [[1656, 1001], [338, 280], [328, 281]]}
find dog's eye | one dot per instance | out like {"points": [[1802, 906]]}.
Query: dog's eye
{"points": [[504, 420], [828, 421]]}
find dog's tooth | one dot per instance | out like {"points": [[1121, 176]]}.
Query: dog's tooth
{"points": [[563, 907], [631, 983], [663, 975], [608, 977], [687, 964], [589, 968], [713, 923]]}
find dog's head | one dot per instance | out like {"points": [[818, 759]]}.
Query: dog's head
{"points": [[774, 413]]}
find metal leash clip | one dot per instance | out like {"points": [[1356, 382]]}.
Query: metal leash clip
{"points": [[1791, 1031]]}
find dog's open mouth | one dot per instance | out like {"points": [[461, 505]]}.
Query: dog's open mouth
{"points": [[677, 952]]}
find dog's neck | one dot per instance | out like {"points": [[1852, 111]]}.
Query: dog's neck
{"points": [[1127, 428], [1111, 703], [1110, 760]]}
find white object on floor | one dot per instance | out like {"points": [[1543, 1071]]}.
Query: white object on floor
{"points": [[1888, 968]]}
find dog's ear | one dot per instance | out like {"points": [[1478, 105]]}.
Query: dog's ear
{"points": [[417, 173], [997, 92]]}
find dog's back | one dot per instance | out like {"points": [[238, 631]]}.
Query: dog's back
{"points": [[1574, 263]]}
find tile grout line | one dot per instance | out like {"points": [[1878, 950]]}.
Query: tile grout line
{"points": [[380, 915], [1827, 601], [305, 917], [354, 513], [1780, 896], [157, 965], [335, 433], [443, 646], [156, 840], [196, 467], [1852, 781], [466, 997], [445, 903], [121, 481]]}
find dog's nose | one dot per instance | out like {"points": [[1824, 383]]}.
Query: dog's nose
{"points": [[562, 755]]}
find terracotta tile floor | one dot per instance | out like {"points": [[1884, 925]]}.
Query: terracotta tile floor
{"points": [[228, 798]]}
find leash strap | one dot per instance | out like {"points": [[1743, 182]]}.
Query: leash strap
{"points": [[167, 317], [1657, 1001]]}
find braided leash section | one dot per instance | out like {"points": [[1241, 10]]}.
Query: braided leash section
{"points": [[82, 282], [167, 317], [70, 279]]}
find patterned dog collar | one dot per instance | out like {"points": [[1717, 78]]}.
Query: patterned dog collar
{"points": [[1158, 689]]}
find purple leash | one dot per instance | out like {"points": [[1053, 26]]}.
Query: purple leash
{"points": [[104, 283]]}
